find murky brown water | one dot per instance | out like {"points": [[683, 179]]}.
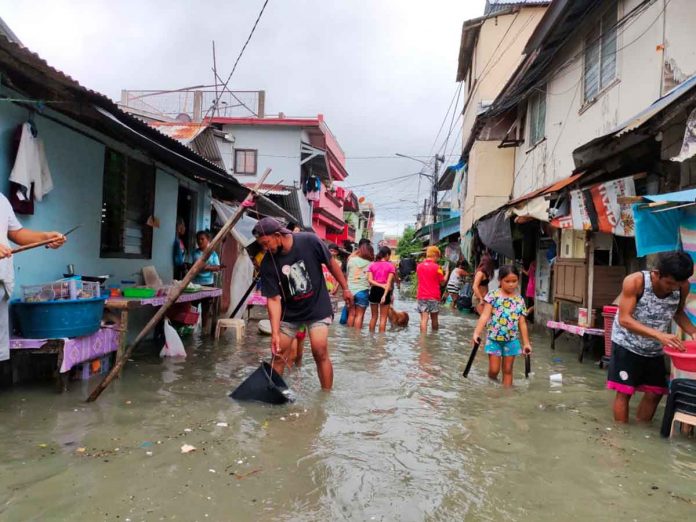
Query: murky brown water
{"points": [[402, 437]]}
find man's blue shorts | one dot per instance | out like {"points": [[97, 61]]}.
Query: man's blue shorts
{"points": [[511, 348], [362, 299]]}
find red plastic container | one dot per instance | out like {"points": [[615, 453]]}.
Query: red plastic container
{"points": [[685, 361], [183, 313], [608, 312]]}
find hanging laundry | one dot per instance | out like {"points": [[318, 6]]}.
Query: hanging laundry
{"points": [[313, 188], [656, 231], [687, 234], [30, 168]]}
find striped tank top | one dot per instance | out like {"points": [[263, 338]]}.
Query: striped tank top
{"points": [[652, 311]]}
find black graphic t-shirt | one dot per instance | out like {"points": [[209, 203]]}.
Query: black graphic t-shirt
{"points": [[298, 278]]}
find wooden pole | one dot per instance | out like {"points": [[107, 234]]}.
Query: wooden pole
{"points": [[177, 290]]}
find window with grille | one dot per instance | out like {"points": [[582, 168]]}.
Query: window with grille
{"points": [[537, 117], [128, 202], [245, 161], [600, 54]]}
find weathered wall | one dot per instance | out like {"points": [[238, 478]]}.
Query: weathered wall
{"points": [[497, 55], [570, 122], [278, 148], [490, 180], [77, 162]]}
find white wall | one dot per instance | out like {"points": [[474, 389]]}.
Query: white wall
{"points": [[570, 123], [278, 148]]}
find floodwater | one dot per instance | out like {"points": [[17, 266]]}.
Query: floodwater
{"points": [[402, 437]]}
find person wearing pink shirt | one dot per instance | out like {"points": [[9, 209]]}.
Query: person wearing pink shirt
{"points": [[380, 275]]}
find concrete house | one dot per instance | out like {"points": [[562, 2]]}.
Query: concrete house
{"points": [[306, 160], [491, 49], [595, 73]]}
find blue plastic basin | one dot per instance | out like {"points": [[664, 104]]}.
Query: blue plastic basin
{"points": [[57, 319]]}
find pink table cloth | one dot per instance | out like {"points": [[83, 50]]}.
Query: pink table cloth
{"points": [[78, 349], [574, 328], [160, 300]]}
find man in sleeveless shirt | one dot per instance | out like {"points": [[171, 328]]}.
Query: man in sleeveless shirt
{"points": [[649, 302]]}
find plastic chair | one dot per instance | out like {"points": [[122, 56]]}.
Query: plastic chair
{"points": [[681, 399], [683, 418], [237, 325]]}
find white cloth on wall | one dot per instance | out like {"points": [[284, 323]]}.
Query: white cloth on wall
{"points": [[242, 277], [31, 165]]}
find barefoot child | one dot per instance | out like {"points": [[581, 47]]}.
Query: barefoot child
{"points": [[430, 280], [503, 315], [381, 275]]}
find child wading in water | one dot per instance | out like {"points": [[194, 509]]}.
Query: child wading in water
{"points": [[381, 275], [504, 314]]}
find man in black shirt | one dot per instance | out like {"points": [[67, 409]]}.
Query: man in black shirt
{"points": [[298, 301]]}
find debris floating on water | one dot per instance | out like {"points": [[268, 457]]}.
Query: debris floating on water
{"points": [[187, 448], [221, 425]]}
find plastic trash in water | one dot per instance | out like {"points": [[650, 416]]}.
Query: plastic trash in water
{"points": [[173, 347], [556, 377], [187, 448]]}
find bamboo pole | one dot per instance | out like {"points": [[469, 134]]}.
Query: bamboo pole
{"points": [[177, 290]]}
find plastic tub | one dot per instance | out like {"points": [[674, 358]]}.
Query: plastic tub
{"points": [[58, 319], [141, 292], [685, 361]]}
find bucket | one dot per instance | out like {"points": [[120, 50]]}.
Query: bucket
{"points": [[263, 385]]}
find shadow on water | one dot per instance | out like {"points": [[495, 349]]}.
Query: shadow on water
{"points": [[401, 437]]}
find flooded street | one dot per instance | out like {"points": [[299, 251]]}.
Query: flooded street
{"points": [[402, 437]]}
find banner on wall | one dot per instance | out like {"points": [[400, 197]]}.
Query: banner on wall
{"points": [[597, 209]]}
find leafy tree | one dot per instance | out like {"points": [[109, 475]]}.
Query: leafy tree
{"points": [[407, 245]]}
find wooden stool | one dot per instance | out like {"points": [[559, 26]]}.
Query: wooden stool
{"points": [[236, 324], [684, 418]]}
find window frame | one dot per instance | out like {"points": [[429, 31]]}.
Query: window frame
{"points": [[600, 41], [533, 109], [256, 162], [135, 168]]}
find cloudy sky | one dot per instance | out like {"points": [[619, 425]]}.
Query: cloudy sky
{"points": [[381, 71]]}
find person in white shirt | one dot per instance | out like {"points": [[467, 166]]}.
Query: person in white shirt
{"points": [[12, 230]]}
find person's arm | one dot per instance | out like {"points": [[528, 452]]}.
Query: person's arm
{"points": [[482, 322], [524, 333], [275, 308], [387, 287], [335, 269], [476, 287], [680, 317], [630, 293], [25, 236]]}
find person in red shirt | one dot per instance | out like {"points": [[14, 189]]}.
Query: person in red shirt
{"points": [[430, 281]]}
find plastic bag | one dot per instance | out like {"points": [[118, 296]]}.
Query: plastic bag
{"points": [[173, 347]]}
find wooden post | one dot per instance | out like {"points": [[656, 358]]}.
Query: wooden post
{"points": [[176, 292]]}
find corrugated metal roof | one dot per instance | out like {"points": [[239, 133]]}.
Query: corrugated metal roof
{"points": [[182, 132]]}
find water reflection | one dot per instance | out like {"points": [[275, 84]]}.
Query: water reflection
{"points": [[401, 437]]}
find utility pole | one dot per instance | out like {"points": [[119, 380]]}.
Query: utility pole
{"points": [[433, 194]]}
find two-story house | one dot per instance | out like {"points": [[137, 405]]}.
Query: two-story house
{"points": [[491, 49], [596, 99], [306, 160]]}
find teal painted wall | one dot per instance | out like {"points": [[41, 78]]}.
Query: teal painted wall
{"points": [[76, 162]]}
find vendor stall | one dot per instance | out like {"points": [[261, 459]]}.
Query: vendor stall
{"points": [[208, 297], [586, 279]]}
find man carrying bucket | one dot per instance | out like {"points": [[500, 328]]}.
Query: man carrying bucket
{"points": [[293, 282], [648, 303]]}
